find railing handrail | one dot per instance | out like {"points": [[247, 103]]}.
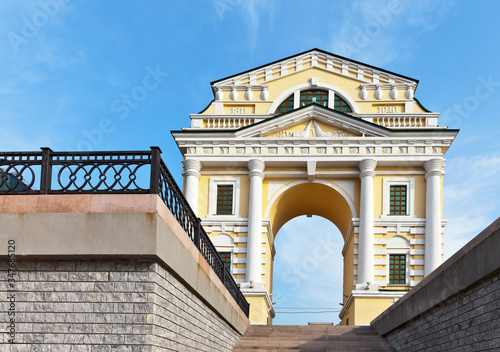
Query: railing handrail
{"points": [[93, 168]]}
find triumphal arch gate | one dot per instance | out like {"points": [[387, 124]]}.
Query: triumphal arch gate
{"points": [[319, 134]]}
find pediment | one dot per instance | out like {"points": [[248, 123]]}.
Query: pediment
{"points": [[313, 121], [311, 128]]}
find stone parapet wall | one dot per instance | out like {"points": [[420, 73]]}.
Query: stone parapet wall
{"points": [[468, 321], [456, 307], [107, 272], [108, 306]]}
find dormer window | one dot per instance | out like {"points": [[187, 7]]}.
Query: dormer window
{"points": [[313, 96]]}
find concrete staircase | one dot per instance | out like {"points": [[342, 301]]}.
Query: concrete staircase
{"points": [[311, 338]]}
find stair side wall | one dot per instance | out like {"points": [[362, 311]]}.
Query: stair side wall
{"points": [[455, 307]]}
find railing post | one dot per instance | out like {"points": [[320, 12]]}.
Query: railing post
{"points": [[197, 233], [46, 172], [154, 182]]}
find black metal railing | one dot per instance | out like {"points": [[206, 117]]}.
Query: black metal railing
{"points": [[49, 172]]}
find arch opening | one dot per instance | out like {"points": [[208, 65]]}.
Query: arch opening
{"points": [[321, 198], [308, 268], [306, 218]]}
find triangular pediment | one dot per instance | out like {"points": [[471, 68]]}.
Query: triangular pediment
{"points": [[310, 128], [313, 121], [310, 60]]}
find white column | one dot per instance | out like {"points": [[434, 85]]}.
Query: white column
{"points": [[256, 169], [433, 173], [192, 168], [365, 253]]}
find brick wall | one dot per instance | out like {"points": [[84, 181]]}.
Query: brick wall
{"points": [[107, 306], [468, 321]]}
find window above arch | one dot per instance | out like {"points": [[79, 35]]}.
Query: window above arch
{"points": [[314, 96], [286, 105], [341, 105]]}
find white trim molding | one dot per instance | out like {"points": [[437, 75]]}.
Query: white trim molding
{"points": [[409, 182], [212, 198]]}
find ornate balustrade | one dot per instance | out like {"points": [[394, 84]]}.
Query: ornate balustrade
{"points": [[402, 121], [113, 173], [228, 122], [224, 121]]}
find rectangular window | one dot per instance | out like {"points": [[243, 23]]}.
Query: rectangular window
{"points": [[398, 200], [224, 199], [226, 257], [397, 269]]}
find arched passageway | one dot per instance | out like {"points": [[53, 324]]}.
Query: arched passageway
{"points": [[308, 272]]}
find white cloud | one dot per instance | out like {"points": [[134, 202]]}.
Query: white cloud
{"points": [[381, 32], [253, 12], [471, 196]]}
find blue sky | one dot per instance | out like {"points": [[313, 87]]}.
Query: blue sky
{"points": [[119, 75]]}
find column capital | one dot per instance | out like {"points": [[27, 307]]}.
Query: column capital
{"points": [[192, 167], [367, 168], [433, 167], [256, 167]]}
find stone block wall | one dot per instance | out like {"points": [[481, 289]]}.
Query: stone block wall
{"points": [[89, 305], [468, 321], [456, 307]]}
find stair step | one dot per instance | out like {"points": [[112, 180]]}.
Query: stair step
{"points": [[311, 338]]}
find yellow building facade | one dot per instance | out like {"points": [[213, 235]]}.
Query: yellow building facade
{"points": [[319, 134]]}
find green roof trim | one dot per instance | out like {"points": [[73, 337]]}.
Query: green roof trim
{"points": [[321, 51]]}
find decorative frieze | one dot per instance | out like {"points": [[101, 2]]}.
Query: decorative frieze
{"points": [[300, 148]]}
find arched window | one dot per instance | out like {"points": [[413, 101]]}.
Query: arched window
{"points": [[341, 105], [314, 96], [285, 106]]}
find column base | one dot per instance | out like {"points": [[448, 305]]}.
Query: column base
{"points": [[364, 305], [252, 285], [261, 307], [367, 287]]}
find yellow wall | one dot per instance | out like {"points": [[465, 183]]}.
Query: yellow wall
{"points": [[367, 309], [258, 310]]}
